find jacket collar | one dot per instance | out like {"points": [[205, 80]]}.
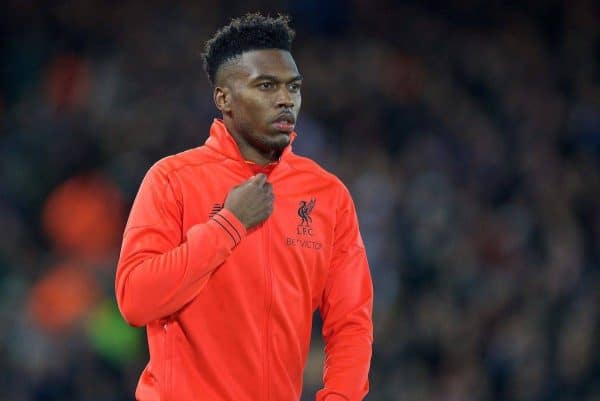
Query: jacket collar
{"points": [[221, 140]]}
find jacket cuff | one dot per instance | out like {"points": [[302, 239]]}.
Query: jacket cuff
{"points": [[231, 225]]}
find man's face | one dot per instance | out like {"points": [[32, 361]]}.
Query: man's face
{"points": [[263, 89]]}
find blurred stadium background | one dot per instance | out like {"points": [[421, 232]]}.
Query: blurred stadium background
{"points": [[468, 132]]}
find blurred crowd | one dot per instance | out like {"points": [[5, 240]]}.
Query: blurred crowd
{"points": [[467, 131]]}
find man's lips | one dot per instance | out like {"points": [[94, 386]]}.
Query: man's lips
{"points": [[283, 126], [285, 122]]}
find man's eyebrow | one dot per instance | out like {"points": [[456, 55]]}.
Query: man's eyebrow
{"points": [[266, 77]]}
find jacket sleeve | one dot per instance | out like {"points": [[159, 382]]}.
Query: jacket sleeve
{"points": [[160, 268], [346, 309]]}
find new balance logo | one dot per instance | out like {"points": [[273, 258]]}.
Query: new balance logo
{"points": [[215, 209]]}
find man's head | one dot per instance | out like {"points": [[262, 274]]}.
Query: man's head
{"points": [[256, 82]]}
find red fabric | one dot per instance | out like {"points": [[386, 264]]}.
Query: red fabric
{"points": [[334, 397], [257, 168], [228, 312]]}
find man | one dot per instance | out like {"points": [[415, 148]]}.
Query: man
{"points": [[230, 247]]}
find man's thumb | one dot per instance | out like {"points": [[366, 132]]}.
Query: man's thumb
{"points": [[259, 179]]}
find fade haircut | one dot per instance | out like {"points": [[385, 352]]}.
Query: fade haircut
{"points": [[253, 31]]}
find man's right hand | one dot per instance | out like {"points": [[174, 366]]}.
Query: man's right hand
{"points": [[251, 201]]}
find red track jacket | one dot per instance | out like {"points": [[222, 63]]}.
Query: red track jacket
{"points": [[228, 313]]}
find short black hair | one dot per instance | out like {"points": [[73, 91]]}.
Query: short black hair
{"points": [[253, 31]]}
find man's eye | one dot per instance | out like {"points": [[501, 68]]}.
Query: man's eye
{"points": [[266, 85], [295, 87]]}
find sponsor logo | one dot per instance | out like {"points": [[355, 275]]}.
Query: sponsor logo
{"points": [[304, 243]]}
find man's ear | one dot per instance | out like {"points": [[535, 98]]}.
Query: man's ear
{"points": [[222, 98]]}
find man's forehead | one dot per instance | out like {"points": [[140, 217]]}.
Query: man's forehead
{"points": [[253, 63]]}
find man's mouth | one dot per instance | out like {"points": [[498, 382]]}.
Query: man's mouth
{"points": [[285, 122]]}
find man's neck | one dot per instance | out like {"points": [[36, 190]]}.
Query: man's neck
{"points": [[254, 155], [249, 152]]}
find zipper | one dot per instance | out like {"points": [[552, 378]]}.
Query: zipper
{"points": [[268, 305], [168, 363]]}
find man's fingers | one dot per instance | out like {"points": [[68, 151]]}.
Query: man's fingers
{"points": [[259, 179]]}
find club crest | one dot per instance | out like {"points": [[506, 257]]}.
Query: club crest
{"points": [[304, 211]]}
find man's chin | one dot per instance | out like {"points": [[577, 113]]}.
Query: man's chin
{"points": [[279, 140]]}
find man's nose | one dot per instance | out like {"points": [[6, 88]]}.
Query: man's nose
{"points": [[284, 99]]}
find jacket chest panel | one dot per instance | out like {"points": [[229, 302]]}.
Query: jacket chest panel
{"points": [[294, 244], [301, 239]]}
